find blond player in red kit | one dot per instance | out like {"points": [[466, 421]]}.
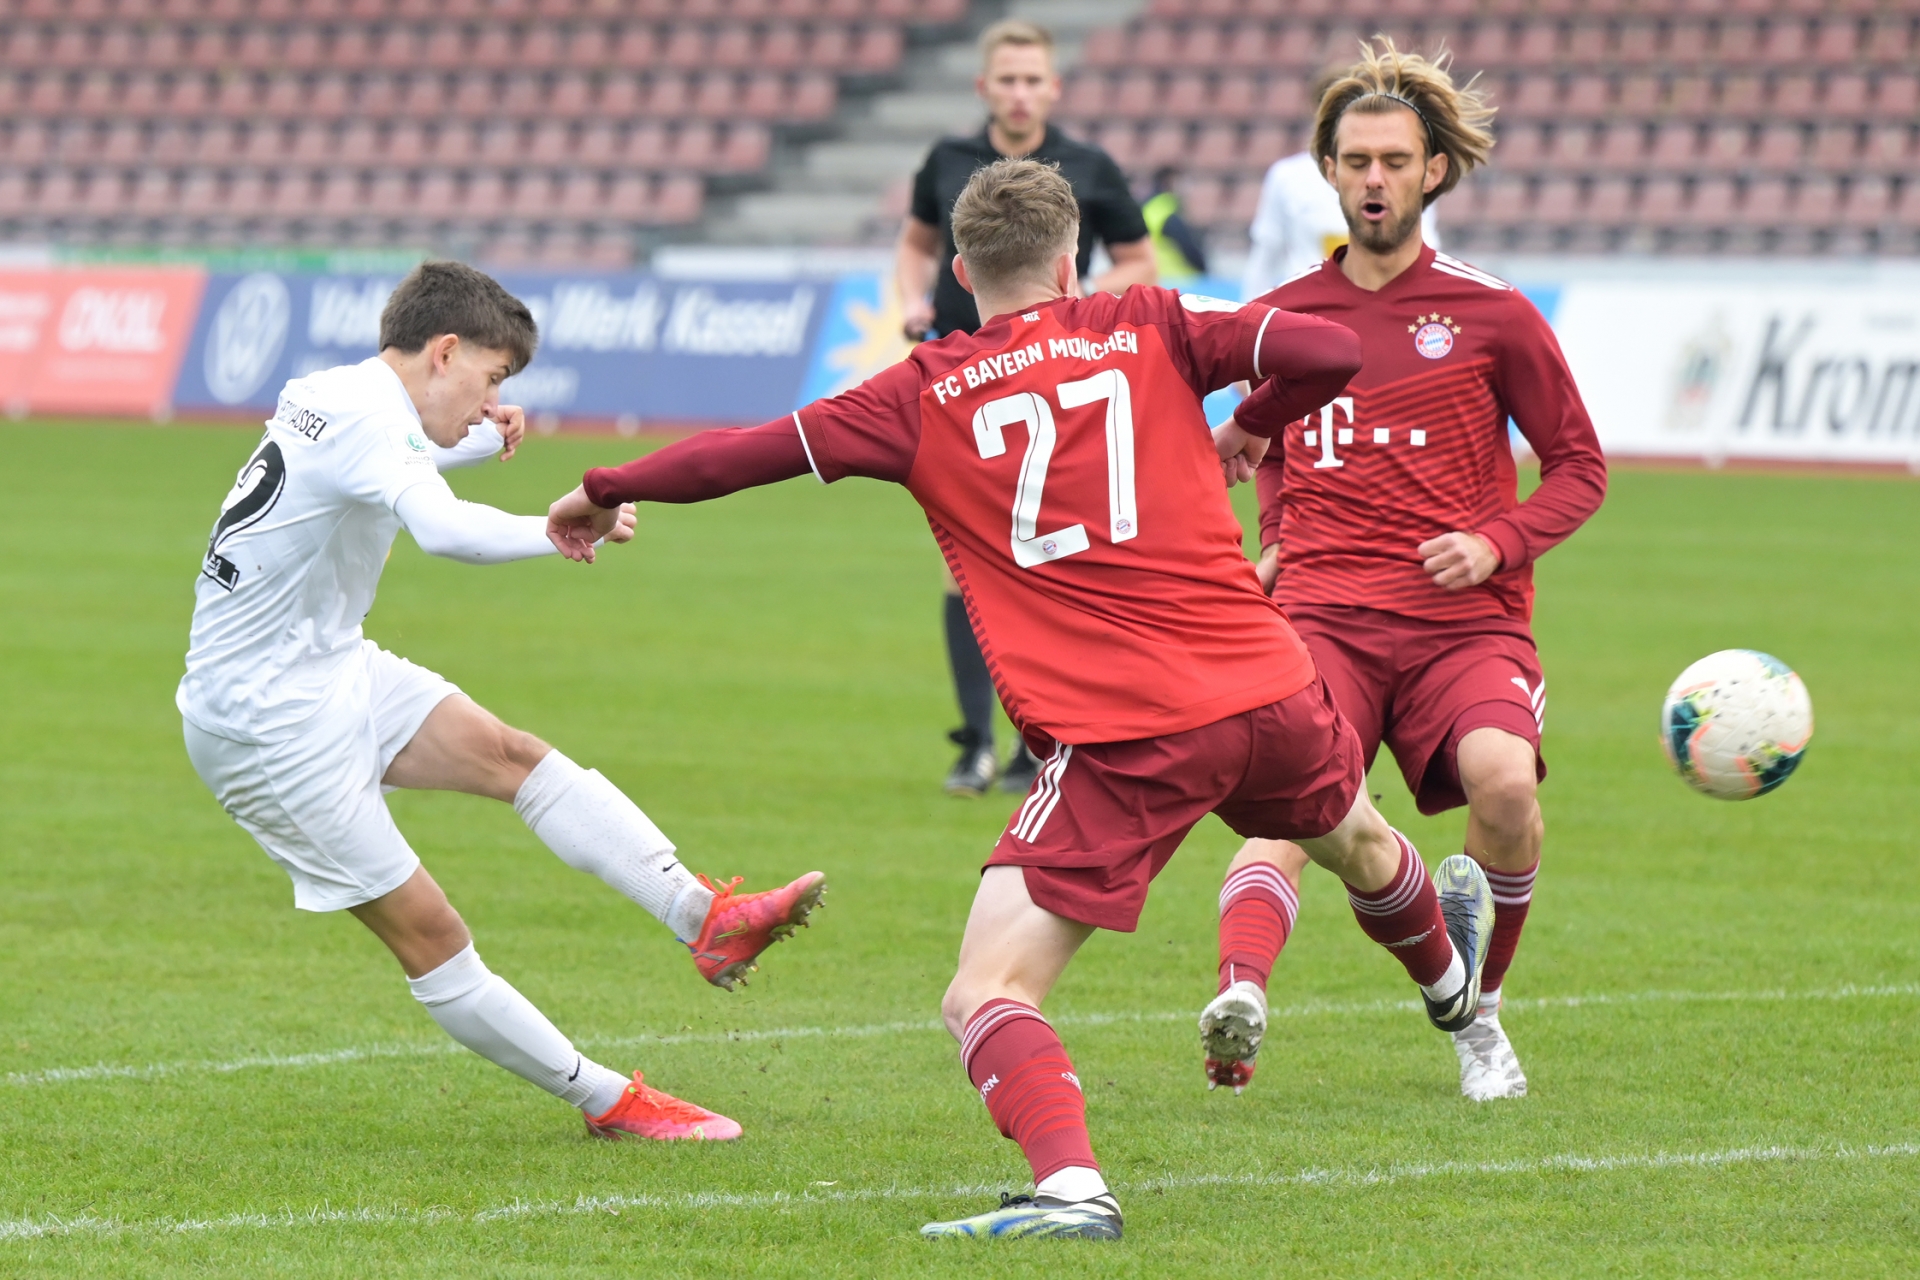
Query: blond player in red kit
{"points": [[1393, 536], [1064, 463]]}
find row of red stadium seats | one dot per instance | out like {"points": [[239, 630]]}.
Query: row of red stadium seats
{"points": [[303, 194], [1195, 95], [649, 145], [1497, 204], [1834, 42], [913, 11], [764, 95], [827, 46], [1862, 203], [1678, 148], [1649, 9]]}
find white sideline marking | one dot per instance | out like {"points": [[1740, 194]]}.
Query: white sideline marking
{"points": [[107, 1071], [521, 1210]]}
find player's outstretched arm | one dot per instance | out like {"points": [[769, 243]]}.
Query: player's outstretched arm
{"points": [[472, 532], [702, 467]]}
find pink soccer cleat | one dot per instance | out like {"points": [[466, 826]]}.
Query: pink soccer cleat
{"points": [[738, 928], [645, 1112]]}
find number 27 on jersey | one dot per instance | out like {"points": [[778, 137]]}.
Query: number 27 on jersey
{"points": [[1030, 408]]}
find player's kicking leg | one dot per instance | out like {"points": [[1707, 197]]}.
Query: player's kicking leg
{"points": [[1438, 927], [1258, 903], [1012, 954], [593, 827], [1498, 772]]}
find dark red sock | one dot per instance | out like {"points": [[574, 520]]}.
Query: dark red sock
{"points": [[1512, 895], [1257, 907], [1404, 917], [1022, 1072]]}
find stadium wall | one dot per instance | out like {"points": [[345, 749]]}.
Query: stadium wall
{"points": [[1700, 361]]}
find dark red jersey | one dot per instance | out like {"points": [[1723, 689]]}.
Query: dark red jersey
{"points": [[1418, 445], [1065, 465]]}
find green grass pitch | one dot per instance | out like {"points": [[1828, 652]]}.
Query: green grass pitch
{"points": [[1717, 1004]]}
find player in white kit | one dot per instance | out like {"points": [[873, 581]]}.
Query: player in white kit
{"points": [[297, 723]]}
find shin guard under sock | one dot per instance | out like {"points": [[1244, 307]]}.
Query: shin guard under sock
{"points": [[593, 827], [1405, 918], [1257, 910], [1512, 895], [482, 1011], [1024, 1076]]}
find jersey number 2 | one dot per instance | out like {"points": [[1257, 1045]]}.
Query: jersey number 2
{"points": [[1030, 408], [252, 496]]}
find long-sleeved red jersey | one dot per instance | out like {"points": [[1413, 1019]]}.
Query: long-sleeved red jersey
{"points": [[1417, 446]]}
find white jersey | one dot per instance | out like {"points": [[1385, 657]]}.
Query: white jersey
{"points": [[295, 557], [1298, 224]]}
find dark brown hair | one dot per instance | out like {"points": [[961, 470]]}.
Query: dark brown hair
{"points": [[452, 297], [1454, 118]]}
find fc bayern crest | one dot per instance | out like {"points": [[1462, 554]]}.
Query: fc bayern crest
{"points": [[1433, 340]]}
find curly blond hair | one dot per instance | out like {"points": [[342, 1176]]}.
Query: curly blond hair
{"points": [[1455, 117]]}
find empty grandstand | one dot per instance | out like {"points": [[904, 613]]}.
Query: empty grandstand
{"points": [[514, 129], [586, 131]]}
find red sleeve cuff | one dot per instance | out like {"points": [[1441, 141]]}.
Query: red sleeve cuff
{"points": [[599, 483], [1507, 542]]}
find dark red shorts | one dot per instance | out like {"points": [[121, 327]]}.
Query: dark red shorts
{"points": [[1421, 686], [1104, 818]]}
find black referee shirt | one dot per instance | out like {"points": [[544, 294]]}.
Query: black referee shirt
{"points": [[1107, 209]]}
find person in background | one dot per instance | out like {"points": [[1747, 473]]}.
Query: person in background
{"points": [[1177, 248], [1020, 85]]}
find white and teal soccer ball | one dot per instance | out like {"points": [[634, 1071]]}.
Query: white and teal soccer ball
{"points": [[1736, 724]]}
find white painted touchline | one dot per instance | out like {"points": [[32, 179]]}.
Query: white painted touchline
{"points": [[363, 1053], [521, 1210]]}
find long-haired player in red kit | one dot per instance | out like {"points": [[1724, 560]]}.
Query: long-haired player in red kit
{"points": [[1391, 521], [1064, 463]]}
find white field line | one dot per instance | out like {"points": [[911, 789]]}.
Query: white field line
{"points": [[363, 1053], [523, 1210]]}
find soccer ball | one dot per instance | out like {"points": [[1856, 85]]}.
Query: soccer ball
{"points": [[1736, 724]]}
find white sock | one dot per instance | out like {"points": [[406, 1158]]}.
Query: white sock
{"points": [[594, 828], [1489, 1004], [1073, 1184], [1450, 982], [482, 1011]]}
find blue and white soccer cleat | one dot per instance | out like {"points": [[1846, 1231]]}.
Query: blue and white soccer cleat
{"points": [[1466, 904], [1033, 1218]]}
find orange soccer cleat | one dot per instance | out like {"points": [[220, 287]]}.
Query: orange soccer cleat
{"points": [[645, 1112], [739, 927]]}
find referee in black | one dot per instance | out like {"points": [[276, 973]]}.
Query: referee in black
{"points": [[1020, 86]]}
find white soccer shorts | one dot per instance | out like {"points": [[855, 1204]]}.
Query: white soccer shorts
{"points": [[314, 802]]}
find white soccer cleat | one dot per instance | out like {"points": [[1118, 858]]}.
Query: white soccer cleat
{"points": [[1231, 1029], [1488, 1067]]}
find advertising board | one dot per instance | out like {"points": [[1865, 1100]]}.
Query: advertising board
{"points": [[94, 340], [621, 347]]}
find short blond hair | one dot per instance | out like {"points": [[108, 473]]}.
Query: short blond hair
{"points": [[1454, 117], [1014, 218], [1014, 31]]}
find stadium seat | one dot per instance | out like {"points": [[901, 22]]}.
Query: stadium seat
{"points": [[1662, 202], [1715, 202], [1869, 201], [1816, 203]]}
